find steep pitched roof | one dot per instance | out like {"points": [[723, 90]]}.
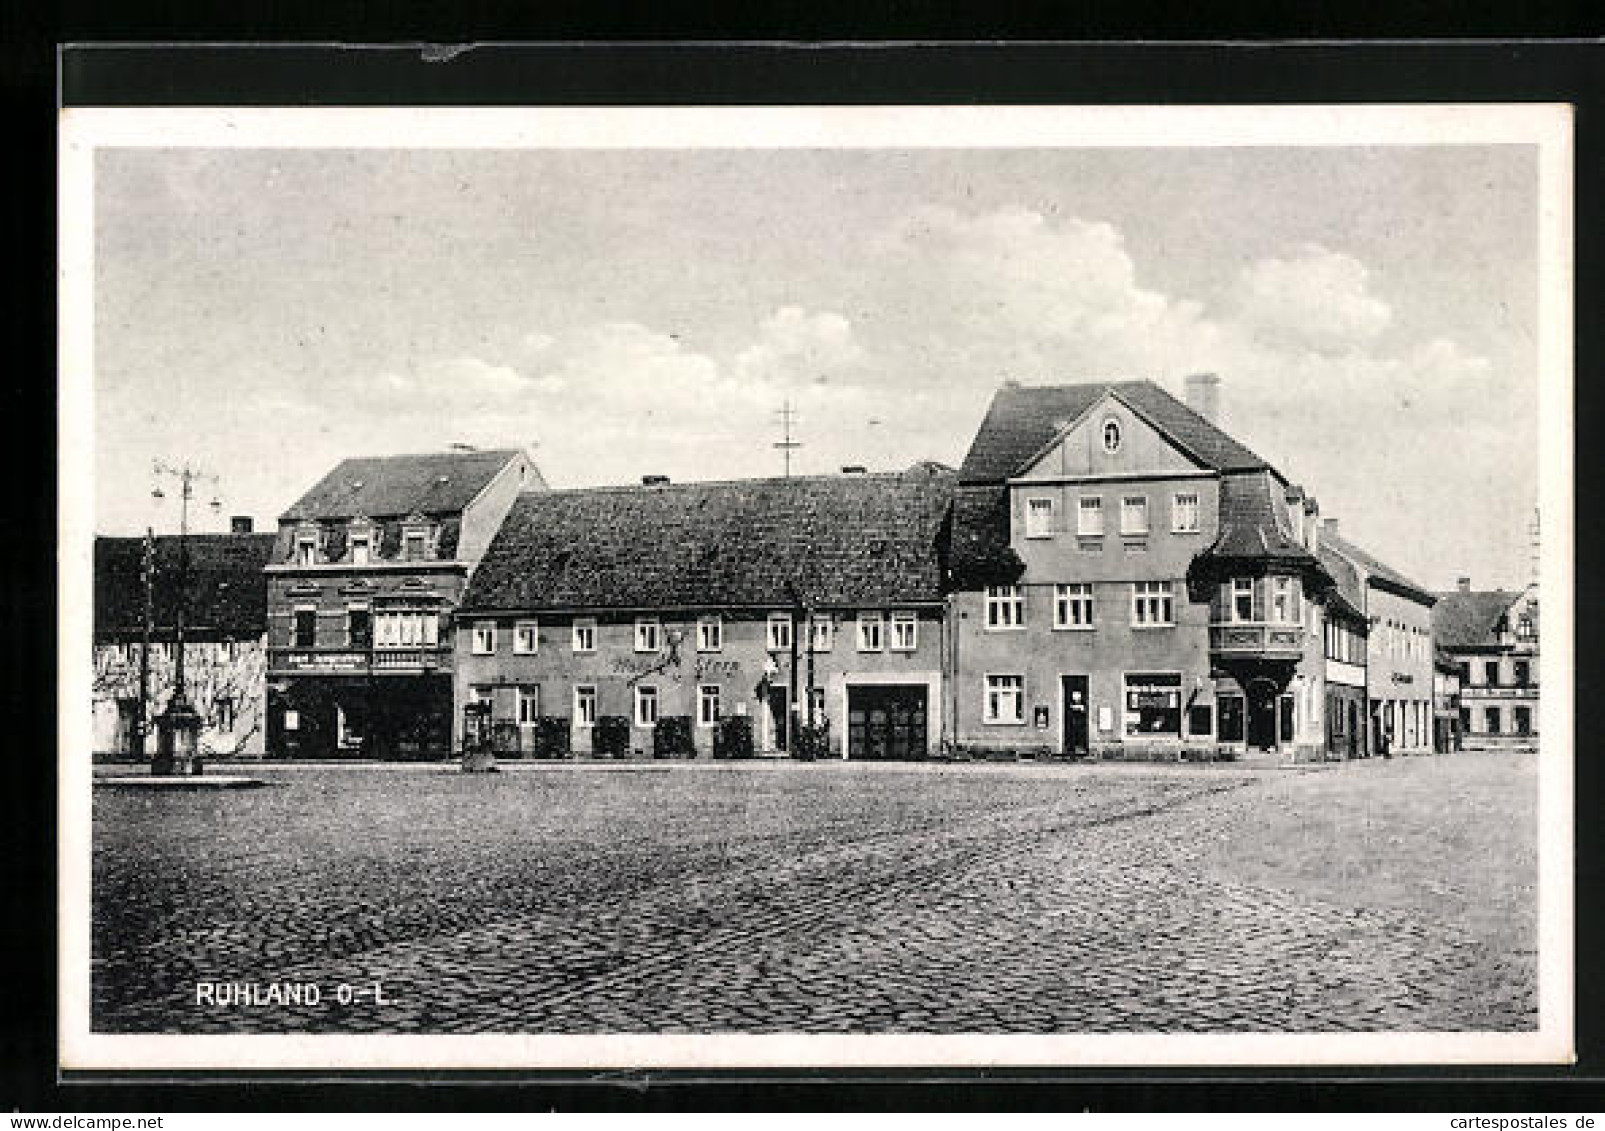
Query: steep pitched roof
{"points": [[227, 590], [1378, 569], [1251, 524], [391, 486], [843, 540], [1024, 418], [1463, 619], [1347, 591], [979, 552]]}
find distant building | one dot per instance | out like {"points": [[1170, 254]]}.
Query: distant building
{"points": [[1129, 581], [1399, 649], [225, 625], [365, 575], [1346, 645], [1492, 637], [1446, 701], [811, 598]]}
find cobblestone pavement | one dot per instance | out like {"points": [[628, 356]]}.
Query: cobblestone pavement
{"points": [[822, 898]]}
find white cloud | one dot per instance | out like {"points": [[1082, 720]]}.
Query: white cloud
{"points": [[795, 345], [1313, 299]]}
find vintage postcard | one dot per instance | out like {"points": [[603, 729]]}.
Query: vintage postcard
{"points": [[880, 586]]}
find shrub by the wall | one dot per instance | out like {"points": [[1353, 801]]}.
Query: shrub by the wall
{"points": [[812, 742], [733, 737], [610, 737], [672, 738]]}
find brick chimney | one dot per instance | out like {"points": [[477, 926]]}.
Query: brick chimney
{"points": [[1203, 396], [1463, 584], [240, 524]]}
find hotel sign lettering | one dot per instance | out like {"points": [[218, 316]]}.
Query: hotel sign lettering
{"points": [[324, 661]]}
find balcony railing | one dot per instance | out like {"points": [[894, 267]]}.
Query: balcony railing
{"points": [[358, 659], [1248, 638]]}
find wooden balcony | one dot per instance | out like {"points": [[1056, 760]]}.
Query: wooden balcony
{"points": [[1252, 640]]}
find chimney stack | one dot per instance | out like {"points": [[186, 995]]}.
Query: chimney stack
{"points": [[1329, 526], [1464, 584], [1203, 396], [654, 480], [240, 524], [854, 469]]}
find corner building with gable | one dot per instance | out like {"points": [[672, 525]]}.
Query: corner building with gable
{"points": [[1128, 581]]}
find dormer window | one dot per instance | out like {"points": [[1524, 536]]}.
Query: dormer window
{"points": [[359, 549], [1111, 435], [306, 550], [415, 545]]}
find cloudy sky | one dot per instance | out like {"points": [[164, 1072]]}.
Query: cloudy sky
{"points": [[1371, 313]]}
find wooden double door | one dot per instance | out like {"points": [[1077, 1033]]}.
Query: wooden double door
{"points": [[887, 722]]}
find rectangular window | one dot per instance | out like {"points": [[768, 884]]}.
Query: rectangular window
{"points": [[708, 711], [1089, 516], [1524, 720], [306, 628], [1005, 699], [1491, 673], [1153, 704], [584, 705], [1072, 606], [484, 637], [1242, 598], [779, 634], [1284, 601], [646, 705], [1134, 514], [1005, 606], [529, 703], [1491, 720], [870, 632], [413, 546], [1039, 517], [905, 632], [821, 633], [1184, 512], [710, 634], [647, 634], [1152, 605], [223, 712], [1523, 673], [306, 551], [585, 636], [526, 638], [359, 551], [359, 627]]}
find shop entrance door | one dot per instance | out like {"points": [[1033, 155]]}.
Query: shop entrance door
{"points": [[886, 723], [1074, 688]]}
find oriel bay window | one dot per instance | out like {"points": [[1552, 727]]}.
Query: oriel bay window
{"points": [[1284, 601], [1152, 604], [1005, 699], [1072, 605], [1153, 704], [1005, 607], [412, 628], [1243, 599]]}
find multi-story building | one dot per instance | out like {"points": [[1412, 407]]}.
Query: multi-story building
{"points": [[1492, 637], [365, 574], [1446, 707], [224, 600], [1346, 633], [1130, 581], [1398, 653], [814, 598]]}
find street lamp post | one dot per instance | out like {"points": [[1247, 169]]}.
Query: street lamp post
{"points": [[178, 729]]}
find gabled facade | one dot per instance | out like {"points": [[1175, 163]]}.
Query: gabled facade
{"points": [[366, 573], [1128, 581], [224, 599], [1491, 636], [812, 599]]}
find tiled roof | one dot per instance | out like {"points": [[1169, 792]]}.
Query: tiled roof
{"points": [[1251, 524], [843, 540], [1463, 619], [395, 486], [1347, 593], [227, 590], [1377, 568], [979, 551], [1022, 419]]}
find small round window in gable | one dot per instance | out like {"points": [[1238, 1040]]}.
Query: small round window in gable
{"points": [[1111, 435]]}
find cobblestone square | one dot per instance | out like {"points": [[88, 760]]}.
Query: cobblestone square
{"points": [[711, 897]]}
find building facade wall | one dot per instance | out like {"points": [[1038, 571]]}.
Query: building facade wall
{"points": [[1501, 712], [678, 669], [225, 681], [484, 515], [1399, 670]]}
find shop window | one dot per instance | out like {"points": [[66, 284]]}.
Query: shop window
{"points": [[1153, 704]]}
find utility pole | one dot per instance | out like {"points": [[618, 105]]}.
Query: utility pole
{"points": [[147, 573], [179, 735], [788, 417], [796, 630]]}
